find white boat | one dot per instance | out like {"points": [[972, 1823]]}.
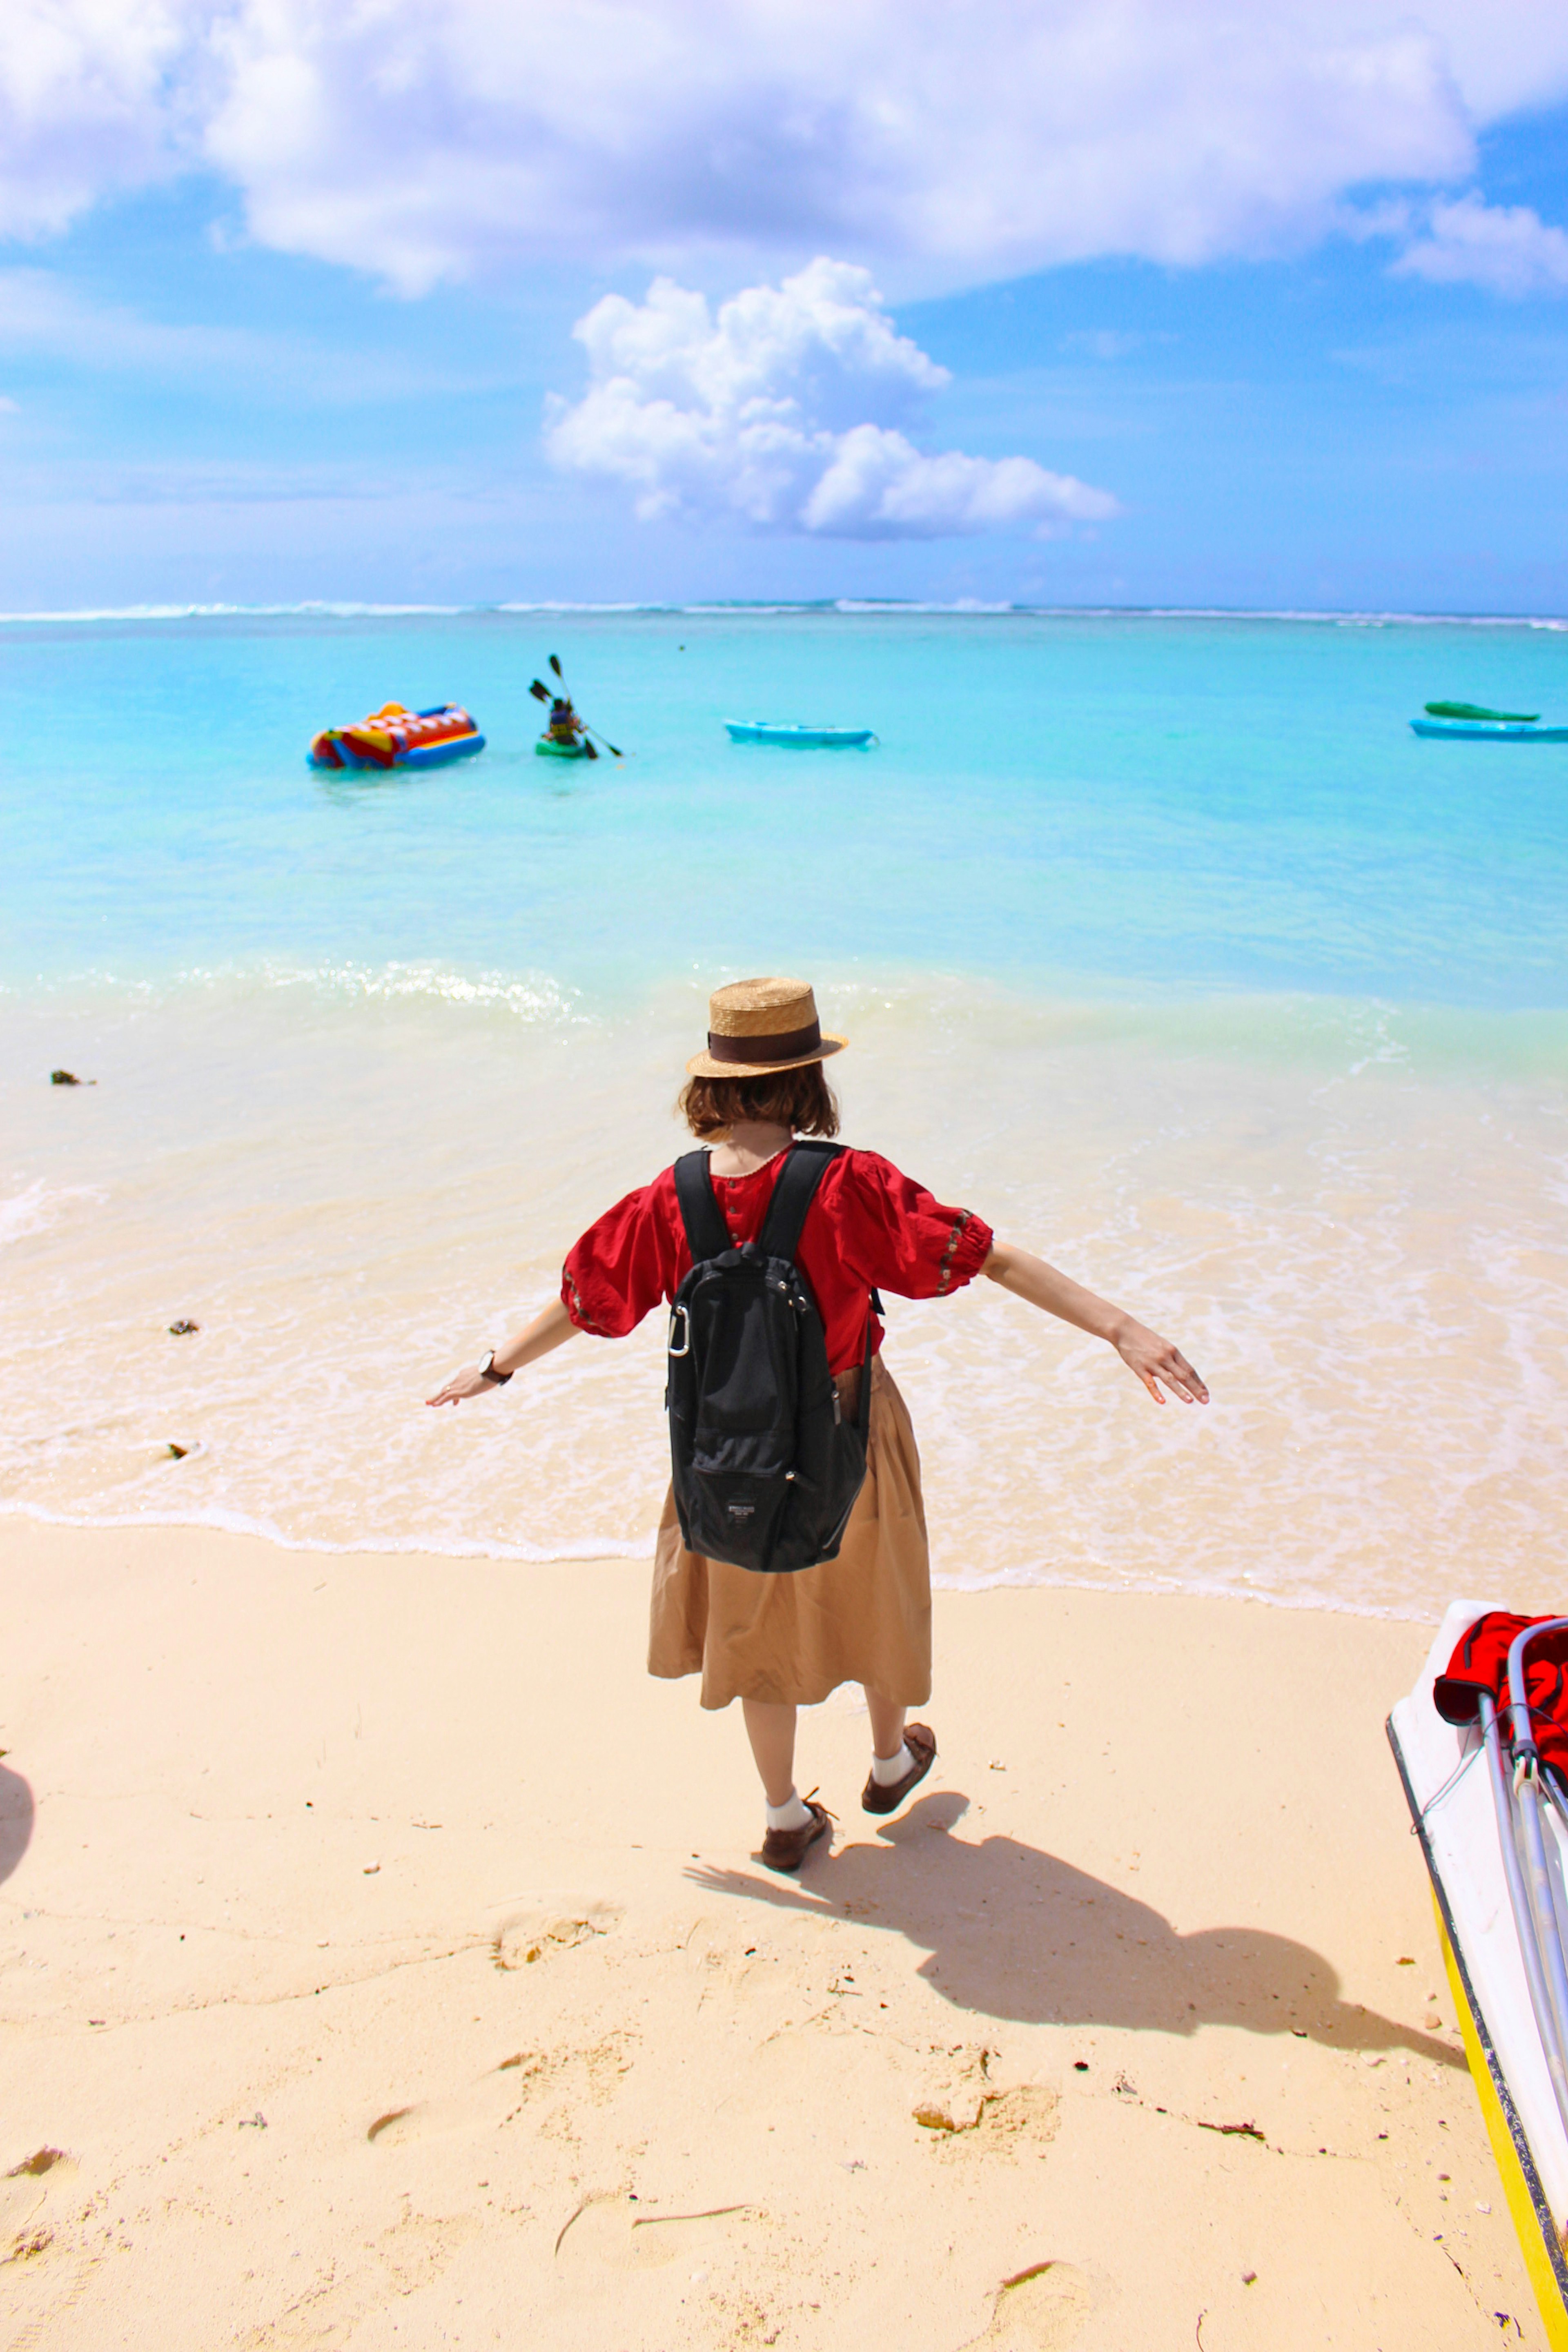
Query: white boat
{"points": [[1500, 1909]]}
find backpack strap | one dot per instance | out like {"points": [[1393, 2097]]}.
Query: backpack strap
{"points": [[706, 1235], [863, 1410], [792, 1194]]}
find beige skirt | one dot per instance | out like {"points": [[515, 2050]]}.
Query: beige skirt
{"points": [[864, 1617]]}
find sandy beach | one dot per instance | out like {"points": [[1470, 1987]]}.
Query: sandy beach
{"points": [[387, 1963]]}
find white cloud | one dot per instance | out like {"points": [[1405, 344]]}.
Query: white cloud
{"points": [[86, 105], [425, 139], [1507, 248], [786, 413]]}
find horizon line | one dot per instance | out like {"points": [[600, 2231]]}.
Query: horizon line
{"points": [[849, 607]]}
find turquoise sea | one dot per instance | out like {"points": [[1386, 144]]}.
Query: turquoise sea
{"points": [[1098, 805], [1162, 941]]}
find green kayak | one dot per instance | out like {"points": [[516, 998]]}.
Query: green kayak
{"points": [[548, 748], [1478, 711]]}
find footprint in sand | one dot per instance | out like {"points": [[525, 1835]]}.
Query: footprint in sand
{"points": [[613, 2231], [520, 1939], [590, 2075], [1042, 2309], [967, 2114], [494, 2099], [22, 2191]]}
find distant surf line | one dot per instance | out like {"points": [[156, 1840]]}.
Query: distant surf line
{"points": [[846, 607]]}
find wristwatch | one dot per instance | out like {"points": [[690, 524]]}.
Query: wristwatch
{"points": [[487, 1371]]}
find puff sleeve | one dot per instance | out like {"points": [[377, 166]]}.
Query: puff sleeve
{"points": [[623, 1266], [916, 1247]]}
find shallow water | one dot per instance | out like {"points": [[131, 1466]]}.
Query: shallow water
{"points": [[1161, 943]]}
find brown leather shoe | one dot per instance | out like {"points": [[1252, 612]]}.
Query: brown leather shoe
{"points": [[922, 1745], [787, 1849]]}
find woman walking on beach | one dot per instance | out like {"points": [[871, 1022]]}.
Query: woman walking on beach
{"points": [[782, 1639]]}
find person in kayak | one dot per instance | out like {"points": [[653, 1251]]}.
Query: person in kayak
{"points": [[565, 724], [781, 1641]]}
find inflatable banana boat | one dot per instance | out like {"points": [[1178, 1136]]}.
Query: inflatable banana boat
{"points": [[392, 737]]}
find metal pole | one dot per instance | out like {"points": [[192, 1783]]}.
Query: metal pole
{"points": [[1527, 1800], [1524, 1924]]}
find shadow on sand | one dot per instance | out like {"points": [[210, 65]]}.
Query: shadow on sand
{"points": [[1012, 1932], [16, 1820]]}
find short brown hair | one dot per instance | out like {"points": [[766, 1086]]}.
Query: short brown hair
{"points": [[801, 1099]]}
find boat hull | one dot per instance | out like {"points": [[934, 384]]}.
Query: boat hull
{"points": [[799, 739], [1526, 2205], [427, 755], [1486, 730], [545, 750], [1455, 1822]]}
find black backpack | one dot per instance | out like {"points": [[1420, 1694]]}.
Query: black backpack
{"points": [[765, 1467]]}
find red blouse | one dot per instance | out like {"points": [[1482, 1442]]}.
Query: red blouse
{"points": [[869, 1227]]}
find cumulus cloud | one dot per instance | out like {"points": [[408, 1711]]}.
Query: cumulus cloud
{"points": [[1507, 248], [786, 412], [86, 103], [428, 139]]}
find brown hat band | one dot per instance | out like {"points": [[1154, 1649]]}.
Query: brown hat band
{"points": [[783, 1045]]}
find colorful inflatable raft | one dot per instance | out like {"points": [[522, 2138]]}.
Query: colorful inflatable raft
{"points": [[394, 737]]}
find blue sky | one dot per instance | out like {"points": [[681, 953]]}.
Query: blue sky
{"points": [[1238, 334]]}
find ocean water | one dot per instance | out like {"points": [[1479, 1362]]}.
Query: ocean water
{"points": [[1161, 942]]}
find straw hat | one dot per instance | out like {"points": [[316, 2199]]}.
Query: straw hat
{"points": [[757, 1026]]}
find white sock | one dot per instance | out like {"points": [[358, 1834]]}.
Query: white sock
{"points": [[885, 1769], [790, 1815]]}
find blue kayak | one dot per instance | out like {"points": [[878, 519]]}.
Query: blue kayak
{"points": [[1489, 731], [767, 731]]}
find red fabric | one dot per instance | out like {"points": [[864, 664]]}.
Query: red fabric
{"points": [[1479, 1663], [869, 1227]]}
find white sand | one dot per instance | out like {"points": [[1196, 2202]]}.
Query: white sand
{"points": [[390, 1962]]}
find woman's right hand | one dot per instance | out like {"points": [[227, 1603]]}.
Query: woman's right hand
{"points": [[472, 1383]]}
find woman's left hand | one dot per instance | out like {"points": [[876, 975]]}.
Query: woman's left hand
{"points": [[1155, 1359]]}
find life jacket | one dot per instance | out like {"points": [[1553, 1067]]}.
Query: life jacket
{"points": [[765, 1467], [1479, 1663]]}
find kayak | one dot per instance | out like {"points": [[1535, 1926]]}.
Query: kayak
{"points": [[1489, 730], [1479, 710], [767, 731], [394, 737], [548, 749], [1495, 1904]]}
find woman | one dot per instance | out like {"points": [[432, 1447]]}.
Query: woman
{"points": [[781, 1642]]}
